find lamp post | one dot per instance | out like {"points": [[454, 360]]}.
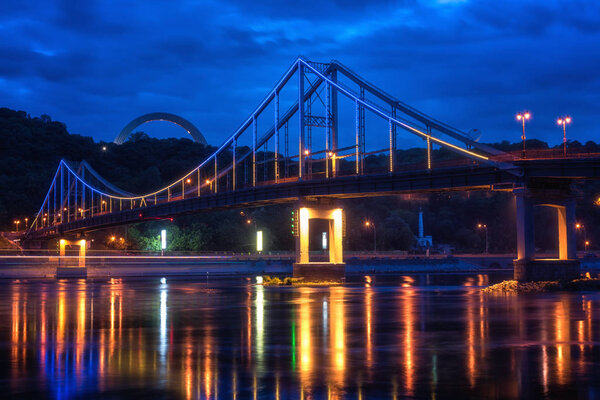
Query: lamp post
{"points": [[369, 224], [259, 234], [17, 222], [522, 116], [564, 121], [580, 227], [26, 219], [485, 228]]}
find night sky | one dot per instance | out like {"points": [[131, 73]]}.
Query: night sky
{"points": [[95, 65]]}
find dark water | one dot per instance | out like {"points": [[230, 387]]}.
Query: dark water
{"points": [[424, 336]]}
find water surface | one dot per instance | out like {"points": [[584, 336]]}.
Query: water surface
{"points": [[424, 336]]}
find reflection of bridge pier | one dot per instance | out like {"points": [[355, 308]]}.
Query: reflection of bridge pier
{"points": [[334, 269], [527, 266]]}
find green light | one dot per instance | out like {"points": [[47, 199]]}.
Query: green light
{"points": [[293, 341]]}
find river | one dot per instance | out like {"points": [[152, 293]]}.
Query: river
{"points": [[424, 336]]}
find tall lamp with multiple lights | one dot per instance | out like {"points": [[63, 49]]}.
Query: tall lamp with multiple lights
{"points": [[523, 116], [563, 122]]}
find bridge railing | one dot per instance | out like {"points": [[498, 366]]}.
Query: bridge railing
{"points": [[546, 154]]}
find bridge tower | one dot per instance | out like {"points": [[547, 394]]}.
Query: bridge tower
{"points": [[334, 269], [527, 266]]}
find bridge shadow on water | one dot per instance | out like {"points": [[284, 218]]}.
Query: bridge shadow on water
{"points": [[425, 336]]}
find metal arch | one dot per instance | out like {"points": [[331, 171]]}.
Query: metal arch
{"points": [[161, 116]]}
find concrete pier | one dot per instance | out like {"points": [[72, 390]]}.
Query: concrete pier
{"points": [[527, 267], [335, 269]]}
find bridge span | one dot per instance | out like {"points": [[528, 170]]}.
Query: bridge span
{"points": [[330, 162]]}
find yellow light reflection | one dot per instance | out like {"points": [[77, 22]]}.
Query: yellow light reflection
{"points": [[563, 349], [337, 339], [408, 347], [80, 329], [369, 325]]}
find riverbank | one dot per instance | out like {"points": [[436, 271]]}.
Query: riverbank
{"points": [[577, 285], [238, 265]]}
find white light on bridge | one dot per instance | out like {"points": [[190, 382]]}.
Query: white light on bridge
{"points": [[324, 240], [163, 239], [259, 241]]}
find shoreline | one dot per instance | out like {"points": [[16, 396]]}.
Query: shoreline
{"points": [[19, 267]]}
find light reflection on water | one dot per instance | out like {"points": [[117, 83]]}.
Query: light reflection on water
{"points": [[410, 336]]}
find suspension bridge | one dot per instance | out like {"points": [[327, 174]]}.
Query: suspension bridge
{"points": [[307, 143]]}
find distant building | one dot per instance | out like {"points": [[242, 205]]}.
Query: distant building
{"points": [[423, 242]]}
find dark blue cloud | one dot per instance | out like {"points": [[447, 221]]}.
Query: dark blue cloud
{"points": [[97, 64]]}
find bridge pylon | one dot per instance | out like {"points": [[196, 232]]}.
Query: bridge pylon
{"points": [[529, 268], [334, 269]]}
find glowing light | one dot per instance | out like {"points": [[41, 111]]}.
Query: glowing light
{"points": [[519, 117], [112, 238], [163, 281], [527, 115], [568, 120], [559, 121], [368, 223], [306, 152], [324, 240], [188, 180], [207, 181], [259, 280], [103, 148], [259, 241], [248, 221], [163, 239], [163, 325]]}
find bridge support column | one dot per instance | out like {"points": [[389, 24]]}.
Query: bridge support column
{"points": [[74, 270], [332, 270], [529, 268]]}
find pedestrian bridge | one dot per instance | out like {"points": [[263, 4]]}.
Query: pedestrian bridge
{"points": [[334, 120]]}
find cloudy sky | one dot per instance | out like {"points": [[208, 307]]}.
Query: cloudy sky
{"points": [[95, 65]]}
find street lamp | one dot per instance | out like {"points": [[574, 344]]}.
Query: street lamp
{"points": [[369, 224], [522, 116], [17, 222], [581, 227], [564, 121], [484, 227], [26, 219]]}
